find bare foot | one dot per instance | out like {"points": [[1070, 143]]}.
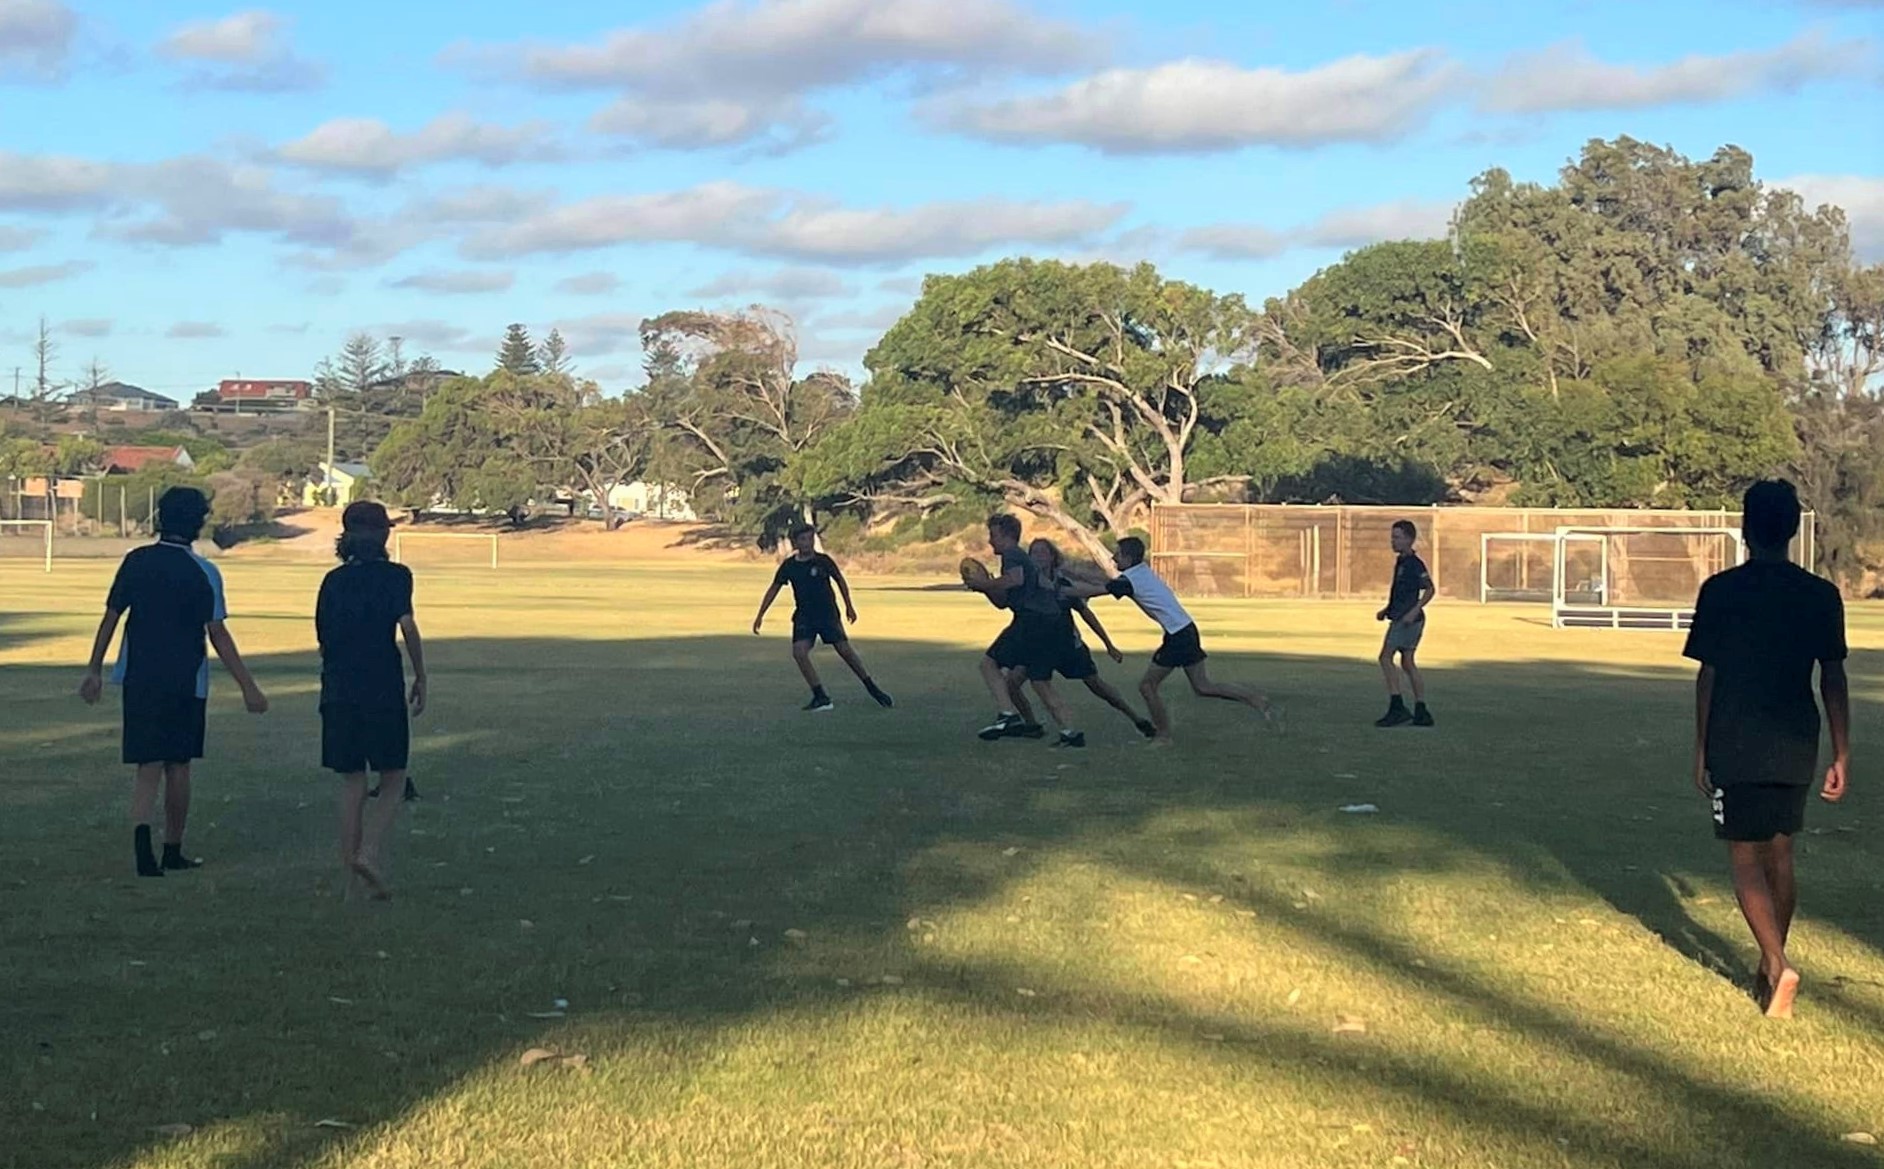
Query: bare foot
{"points": [[376, 884], [1783, 990]]}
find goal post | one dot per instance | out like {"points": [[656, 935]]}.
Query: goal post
{"points": [[473, 547], [1644, 578], [36, 534]]}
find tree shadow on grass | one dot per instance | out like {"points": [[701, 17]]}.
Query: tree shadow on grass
{"points": [[624, 855]]}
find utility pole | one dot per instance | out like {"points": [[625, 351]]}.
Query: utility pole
{"points": [[330, 456]]}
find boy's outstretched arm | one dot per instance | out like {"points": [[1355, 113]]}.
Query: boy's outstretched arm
{"points": [[1835, 691], [771, 595], [94, 684], [252, 696], [1092, 622], [843, 586], [415, 650]]}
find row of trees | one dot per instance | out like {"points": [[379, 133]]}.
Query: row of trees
{"points": [[1649, 331]]}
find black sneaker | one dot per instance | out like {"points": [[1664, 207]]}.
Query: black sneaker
{"points": [[1422, 717], [1147, 728], [1071, 739], [883, 697], [820, 705], [1002, 727], [1398, 716]]}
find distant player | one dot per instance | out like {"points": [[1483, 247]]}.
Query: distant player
{"points": [[814, 618], [363, 605], [1029, 643], [1405, 613], [1758, 630], [1075, 662], [1182, 648], [174, 599]]}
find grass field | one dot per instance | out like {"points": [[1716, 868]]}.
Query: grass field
{"points": [[866, 939]]}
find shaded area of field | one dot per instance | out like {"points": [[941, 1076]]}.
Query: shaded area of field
{"points": [[997, 954]]}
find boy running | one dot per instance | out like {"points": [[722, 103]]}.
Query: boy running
{"points": [[1075, 662], [363, 686], [174, 598], [1182, 648], [1405, 613], [1029, 643], [814, 617], [1758, 630]]}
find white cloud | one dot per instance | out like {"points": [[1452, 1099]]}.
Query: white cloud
{"points": [[1344, 228], [732, 72], [35, 39], [1567, 77], [18, 239], [50, 182], [87, 327], [1198, 106], [460, 283], [1861, 197], [601, 333], [782, 283], [194, 331], [244, 52], [589, 284], [781, 224], [40, 274], [371, 148]]}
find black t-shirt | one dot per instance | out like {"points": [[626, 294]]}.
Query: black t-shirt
{"points": [[1763, 626], [1410, 579], [171, 596], [356, 619], [811, 582], [1032, 597]]}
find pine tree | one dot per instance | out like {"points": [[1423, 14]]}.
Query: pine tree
{"points": [[518, 353], [552, 356]]}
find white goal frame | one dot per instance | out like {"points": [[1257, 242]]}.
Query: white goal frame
{"points": [[1602, 614], [1487, 539], [46, 524], [400, 537]]}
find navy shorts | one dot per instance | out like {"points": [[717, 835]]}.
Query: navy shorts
{"points": [[162, 726], [356, 739]]}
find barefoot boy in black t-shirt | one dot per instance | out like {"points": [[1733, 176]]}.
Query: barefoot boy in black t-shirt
{"points": [[1758, 631]]}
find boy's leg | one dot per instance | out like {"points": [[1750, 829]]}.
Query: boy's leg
{"points": [[144, 786], [176, 815], [1154, 702], [1754, 892]]}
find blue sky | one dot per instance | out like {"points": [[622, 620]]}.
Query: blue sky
{"points": [[190, 191]]}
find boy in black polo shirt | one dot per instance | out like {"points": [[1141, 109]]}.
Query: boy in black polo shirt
{"points": [[174, 598], [363, 605], [1405, 614], [814, 618], [1758, 630]]}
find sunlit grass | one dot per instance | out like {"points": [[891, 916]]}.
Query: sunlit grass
{"points": [[869, 940]]}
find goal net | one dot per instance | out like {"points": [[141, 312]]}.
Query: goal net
{"points": [[1644, 578], [445, 549], [27, 539]]}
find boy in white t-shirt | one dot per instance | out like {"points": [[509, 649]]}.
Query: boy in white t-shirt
{"points": [[1182, 648]]}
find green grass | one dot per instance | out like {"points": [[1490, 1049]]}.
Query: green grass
{"points": [[1009, 957]]}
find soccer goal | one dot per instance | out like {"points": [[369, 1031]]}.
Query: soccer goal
{"points": [[30, 538], [446, 548], [1523, 566], [1644, 578]]}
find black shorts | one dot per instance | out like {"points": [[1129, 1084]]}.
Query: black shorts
{"points": [[1180, 650], [162, 726], [816, 627], [1029, 643], [357, 738], [1753, 813]]}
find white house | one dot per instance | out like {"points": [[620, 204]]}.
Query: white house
{"points": [[342, 477], [656, 501]]}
